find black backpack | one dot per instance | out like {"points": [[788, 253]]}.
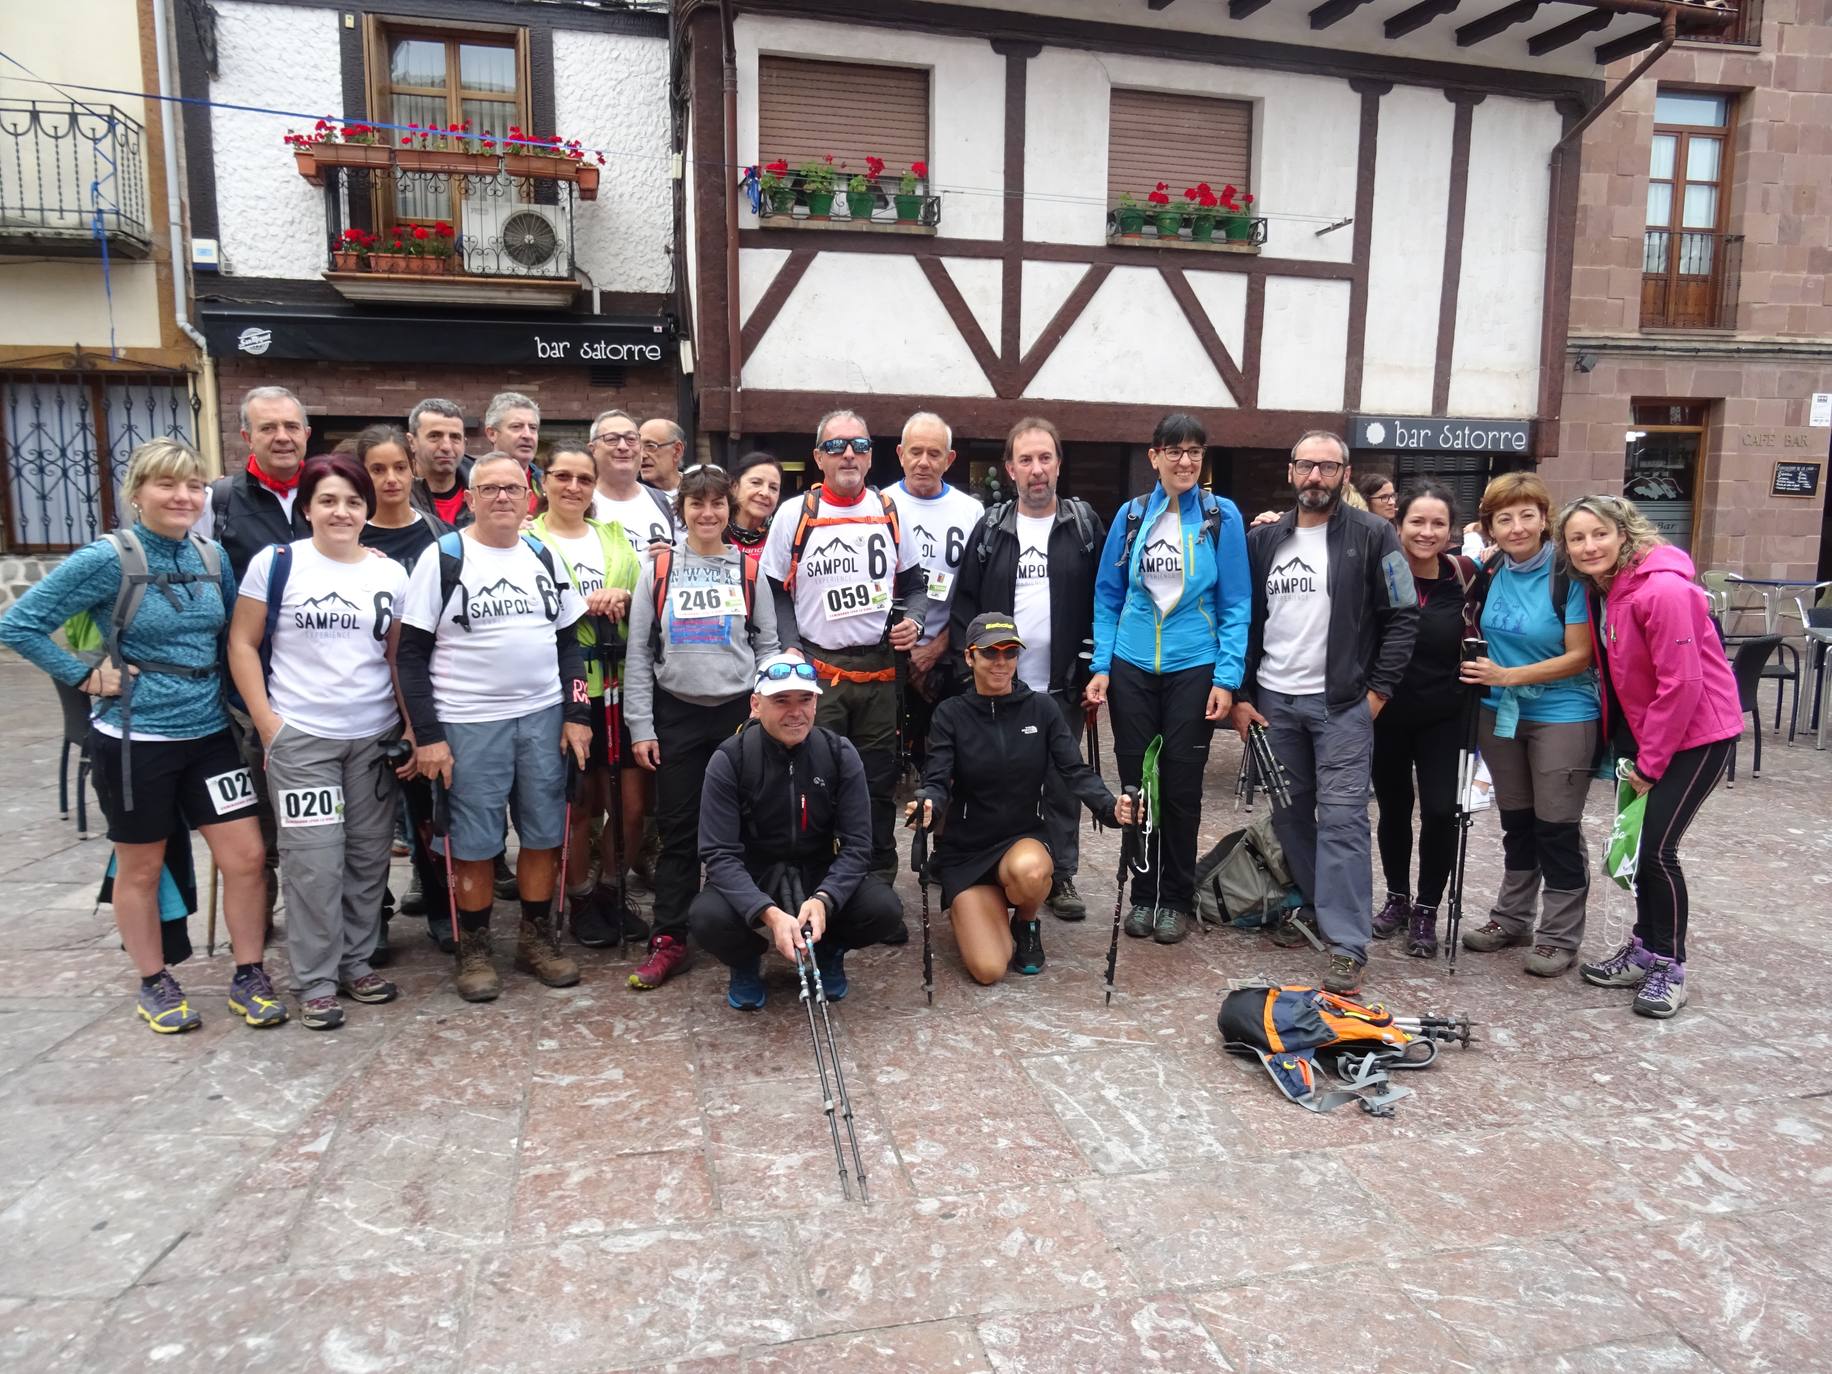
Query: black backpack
{"points": [[1135, 515], [1079, 511], [451, 577]]}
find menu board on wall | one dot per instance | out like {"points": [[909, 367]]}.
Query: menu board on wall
{"points": [[1795, 479]]}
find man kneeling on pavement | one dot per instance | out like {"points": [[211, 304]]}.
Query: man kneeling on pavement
{"points": [[783, 794]]}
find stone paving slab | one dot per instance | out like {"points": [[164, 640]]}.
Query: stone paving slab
{"points": [[584, 1180]]}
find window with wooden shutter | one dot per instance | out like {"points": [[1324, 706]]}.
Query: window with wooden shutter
{"points": [[808, 109], [1153, 136]]}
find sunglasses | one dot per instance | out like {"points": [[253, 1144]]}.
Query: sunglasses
{"points": [[997, 652], [703, 467], [782, 672], [833, 448]]}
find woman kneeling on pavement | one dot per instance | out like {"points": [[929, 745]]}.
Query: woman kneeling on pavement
{"points": [[1666, 680], [698, 633], [990, 752], [312, 649], [159, 740], [1420, 727], [1538, 729], [597, 557]]}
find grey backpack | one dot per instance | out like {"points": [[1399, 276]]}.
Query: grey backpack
{"points": [[1244, 879]]}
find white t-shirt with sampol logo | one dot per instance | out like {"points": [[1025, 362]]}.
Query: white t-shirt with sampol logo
{"points": [[848, 569]]}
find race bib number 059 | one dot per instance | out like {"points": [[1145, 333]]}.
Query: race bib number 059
{"points": [[302, 806], [231, 792], [703, 603], [856, 598]]}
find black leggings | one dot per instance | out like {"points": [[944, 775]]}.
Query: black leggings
{"points": [[1140, 705], [1660, 888], [1404, 742]]}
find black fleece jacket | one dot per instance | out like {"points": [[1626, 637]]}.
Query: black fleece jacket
{"points": [[988, 581], [988, 758]]}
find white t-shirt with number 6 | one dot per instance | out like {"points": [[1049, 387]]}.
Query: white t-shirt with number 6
{"points": [[847, 573]]}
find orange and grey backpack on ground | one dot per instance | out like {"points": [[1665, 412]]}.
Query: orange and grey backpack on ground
{"points": [[1290, 1029], [810, 519], [664, 566]]}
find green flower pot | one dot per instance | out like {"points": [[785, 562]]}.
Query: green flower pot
{"points": [[1202, 229], [782, 199], [820, 204], [1131, 222], [909, 209], [1168, 222], [859, 204], [1239, 228]]}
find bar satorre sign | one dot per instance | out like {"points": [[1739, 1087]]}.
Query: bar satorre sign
{"points": [[1428, 434]]}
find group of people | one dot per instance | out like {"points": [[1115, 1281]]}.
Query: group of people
{"points": [[321, 653]]}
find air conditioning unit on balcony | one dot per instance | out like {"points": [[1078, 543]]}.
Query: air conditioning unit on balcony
{"points": [[512, 238]]}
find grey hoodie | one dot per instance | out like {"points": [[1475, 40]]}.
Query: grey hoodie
{"points": [[704, 661]]}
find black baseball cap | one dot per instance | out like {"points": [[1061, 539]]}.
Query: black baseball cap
{"points": [[993, 627]]}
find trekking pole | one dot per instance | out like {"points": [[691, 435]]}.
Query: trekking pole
{"points": [[902, 660], [441, 826], [210, 907], [804, 967], [919, 863], [613, 732], [833, 1045], [1093, 731], [572, 795], [1466, 781], [1271, 771], [1128, 833]]}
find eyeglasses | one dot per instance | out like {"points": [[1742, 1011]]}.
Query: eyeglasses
{"points": [[496, 491], [999, 653], [1303, 467], [656, 446], [1182, 455], [628, 436], [833, 448], [782, 672], [581, 479]]}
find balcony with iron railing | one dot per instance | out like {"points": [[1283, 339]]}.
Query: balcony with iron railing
{"points": [[1690, 279], [72, 180], [484, 236], [1744, 30]]}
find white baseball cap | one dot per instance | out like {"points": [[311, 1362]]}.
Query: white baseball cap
{"points": [[786, 673]]}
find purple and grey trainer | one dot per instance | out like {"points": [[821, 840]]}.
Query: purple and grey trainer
{"points": [[1623, 969], [1663, 991], [163, 1006], [1392, 917], [252, 997]]}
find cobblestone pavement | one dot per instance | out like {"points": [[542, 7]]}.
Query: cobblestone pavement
{"points": [[597, 1179]]}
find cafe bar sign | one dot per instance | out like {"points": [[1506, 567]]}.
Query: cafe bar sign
{"points": [[1425, 434], [395, 339]]}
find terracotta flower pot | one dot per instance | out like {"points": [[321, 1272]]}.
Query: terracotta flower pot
{"points": [[348, 261], [587, 180], [306, 160]]}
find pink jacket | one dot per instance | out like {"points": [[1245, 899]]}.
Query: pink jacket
{"points": [[1665, 661]]}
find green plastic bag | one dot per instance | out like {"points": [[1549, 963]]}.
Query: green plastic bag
{"points": [[1148, 780], [1622, 855]]}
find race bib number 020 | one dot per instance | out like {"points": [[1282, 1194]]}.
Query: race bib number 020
{"points": [[703, 603], [302, 806], [856, 598], [231, 792]]}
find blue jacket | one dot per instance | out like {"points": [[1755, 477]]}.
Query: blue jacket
{"points": [[1207, 624]]}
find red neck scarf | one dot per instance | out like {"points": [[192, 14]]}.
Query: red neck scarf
{"points": [[833, 498], [274, 484]]}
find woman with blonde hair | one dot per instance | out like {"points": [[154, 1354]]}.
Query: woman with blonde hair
{"points": [[1538, 728], [159, 736], [1669, 704]]}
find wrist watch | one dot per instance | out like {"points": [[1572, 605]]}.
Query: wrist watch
{"points": [[825, 900]]}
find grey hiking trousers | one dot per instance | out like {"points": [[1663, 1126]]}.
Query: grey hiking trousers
{"points": [[334, 812], [1325, 834]]}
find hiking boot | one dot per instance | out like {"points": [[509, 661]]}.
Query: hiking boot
{"points": [[252, 997], [898, 935], [1066, 902], [383, 953], [666, 956], [505, 878], [371, 989], [537, 951], [1140, 920], [830, 959], [439, 931], [1623, 969], [163, 1007], [1343, 976], [477, 979], [413, 901], [1548, 961], [1422, 932], [591, 919], [1663, 991], [1291, 933], [1396, 913], [1027, 939], [746, 992], [635, 929], [1169, 926], [320, 1013], [1486, 939]]}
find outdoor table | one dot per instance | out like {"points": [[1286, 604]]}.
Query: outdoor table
{"points": [[1817, 634], [1772, 590]]}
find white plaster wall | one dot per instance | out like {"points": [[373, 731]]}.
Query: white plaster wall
{"points": [[270, 222], [1406, 253], [1046, 286], [1495, 361], [862, 323], [1224, 301], [611, 92], [1306, 130], [1132, 344], [980, 282], [757, 268], [58, 304], [966, 107], [1305, 344]]}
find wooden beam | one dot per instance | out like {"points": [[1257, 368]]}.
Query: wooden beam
{"points": [[1569, 32], [774, 297], [1060, 324], [1627, 45], [1476, 30], [1421, 14], [1241, 9], [964, 319], [1206, 335], [1333, 11]]}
